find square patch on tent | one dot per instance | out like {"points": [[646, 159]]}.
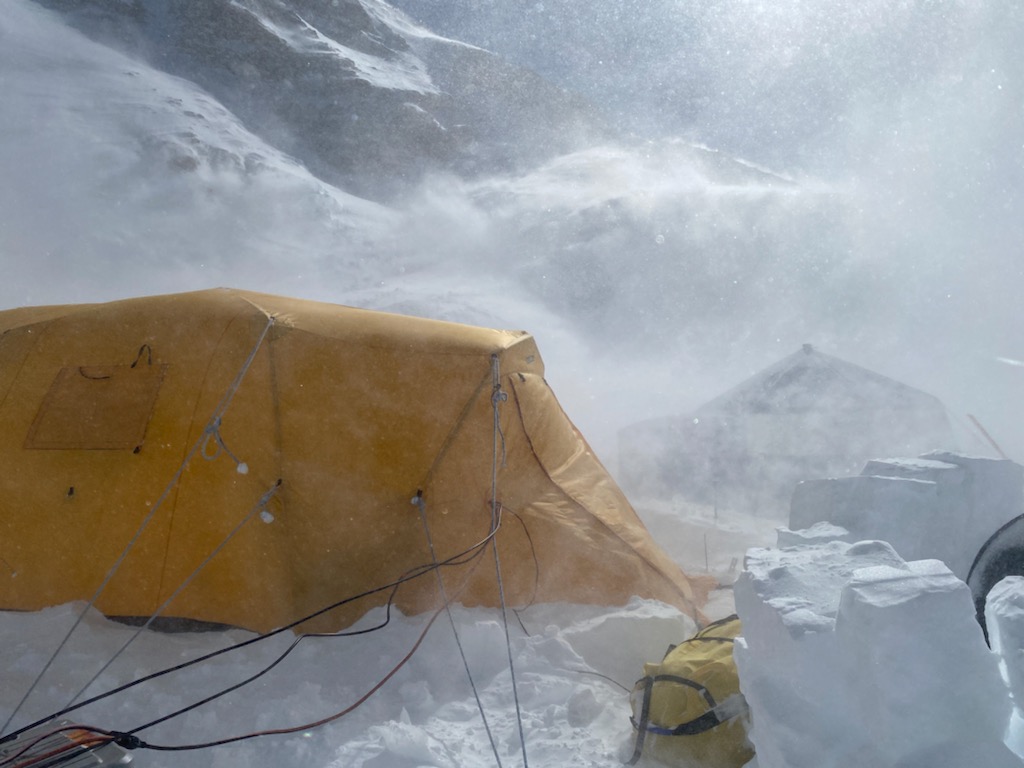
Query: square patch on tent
{"points": [[97, 407]]}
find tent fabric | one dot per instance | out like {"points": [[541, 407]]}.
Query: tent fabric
{"points": [[808, 415], [310, 452]]}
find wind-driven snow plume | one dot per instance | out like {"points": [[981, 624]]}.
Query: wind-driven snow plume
{"points": [[670, 196], [810, 172], [899, 125]]}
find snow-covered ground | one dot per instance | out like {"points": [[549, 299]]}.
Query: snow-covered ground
{"points": [[426, 715], [850, 656], [572, 666]]}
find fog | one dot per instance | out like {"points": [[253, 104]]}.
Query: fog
{"points": [[802, 172], [687, 192]]}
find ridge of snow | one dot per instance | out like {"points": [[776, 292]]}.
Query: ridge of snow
{"points": [[102, 143], [406, 73], [399, 21]]}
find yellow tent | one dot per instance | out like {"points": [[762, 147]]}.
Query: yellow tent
{"points": [[246, 459]]}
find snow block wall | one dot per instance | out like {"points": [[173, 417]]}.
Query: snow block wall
{"points": [[941, 505], [819, 533], [1004, 616], [851, 656]]}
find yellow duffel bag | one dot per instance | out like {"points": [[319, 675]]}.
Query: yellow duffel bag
{"points": [[688, 710]]}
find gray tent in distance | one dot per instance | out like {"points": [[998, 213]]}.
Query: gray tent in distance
{"points": [[809, 415]]}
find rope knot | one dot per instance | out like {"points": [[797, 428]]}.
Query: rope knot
{"points": [[212, 431]]}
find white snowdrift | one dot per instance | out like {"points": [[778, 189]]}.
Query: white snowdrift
{"points": [[570, 665]]}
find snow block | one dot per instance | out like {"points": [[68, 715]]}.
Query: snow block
{"points": [[940, 505], [851, 656], [918, 659], [902, 511], [993, 494], [930, 470], [788, 600], [819, 533], [1004, 617]]}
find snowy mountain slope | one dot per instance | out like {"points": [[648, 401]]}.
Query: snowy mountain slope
{"points": [[121, 180], [356, 91], [669, 267], [122, 170], [195, 199]]}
